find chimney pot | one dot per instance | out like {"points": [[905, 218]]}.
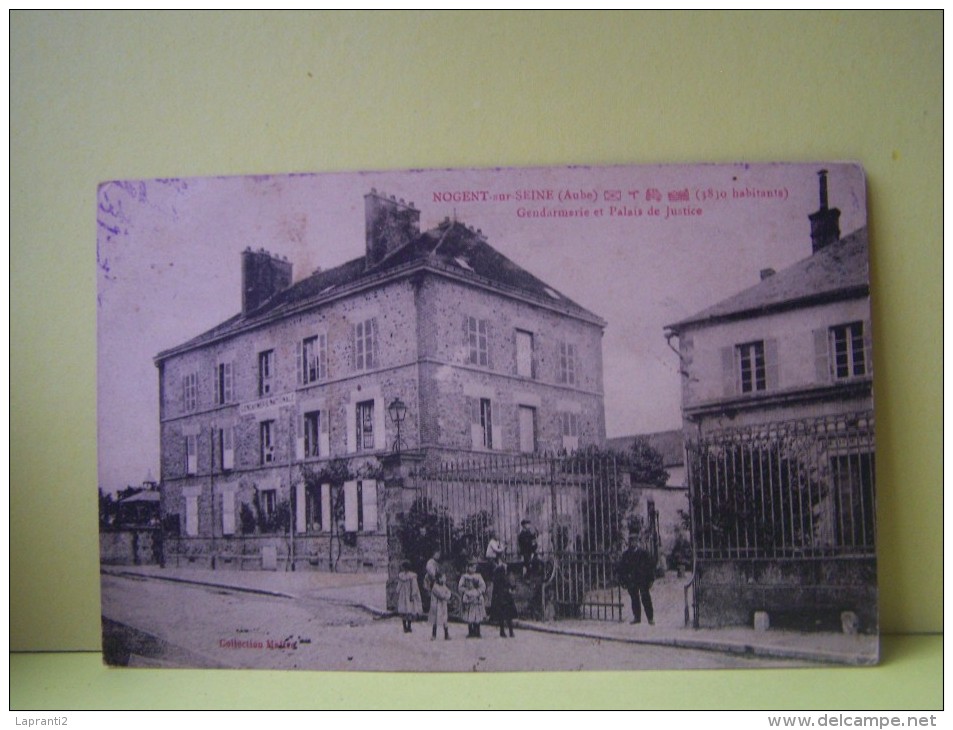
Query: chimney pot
{"points": [[767, 273]]}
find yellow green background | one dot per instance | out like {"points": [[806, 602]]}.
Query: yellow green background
{"points": [[109, 95]]}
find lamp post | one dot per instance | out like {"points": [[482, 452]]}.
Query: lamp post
{"points": [[398, 412]]}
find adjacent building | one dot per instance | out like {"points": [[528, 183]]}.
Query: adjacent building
{"points": [[470, 350], [777, 407]]}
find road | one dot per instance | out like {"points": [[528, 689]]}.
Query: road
{"points": [[149, 622]]}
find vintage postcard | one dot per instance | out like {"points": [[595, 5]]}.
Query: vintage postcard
{"points": [[490, 419]]}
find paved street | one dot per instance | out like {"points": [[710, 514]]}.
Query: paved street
{"points": [[150, 622]]}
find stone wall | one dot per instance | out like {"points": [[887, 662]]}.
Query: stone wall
{"points": [[800, 594]]}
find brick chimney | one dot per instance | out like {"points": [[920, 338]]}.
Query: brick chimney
{"points": [[389, 225], [825, 227], [263, 276]]}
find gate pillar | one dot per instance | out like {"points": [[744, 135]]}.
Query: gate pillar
{"points": [[400, 488]]}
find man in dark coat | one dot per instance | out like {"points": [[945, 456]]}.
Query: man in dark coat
{"points": [[528, 543], [637, 573]]}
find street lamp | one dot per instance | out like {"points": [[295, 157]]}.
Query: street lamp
{"points": [[398, 412]]}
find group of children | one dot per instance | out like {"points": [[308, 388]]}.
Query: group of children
{"points": [[472, 589]]}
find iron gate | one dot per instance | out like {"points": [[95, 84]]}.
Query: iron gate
{"points": [[582, 506], [791, 490]]}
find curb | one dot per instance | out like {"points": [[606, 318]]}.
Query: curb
{"points": [[723, 647]]}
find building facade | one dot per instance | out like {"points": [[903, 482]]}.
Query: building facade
{"points": [[777, 405], [483, 356]]}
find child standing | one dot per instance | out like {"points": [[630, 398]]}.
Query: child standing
{"points": [[472, 590], [409, 604], [439, 600]]}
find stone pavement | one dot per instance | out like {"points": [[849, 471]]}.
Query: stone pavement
{"points": [[366, 590]]}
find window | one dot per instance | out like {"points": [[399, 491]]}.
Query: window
{"points": [[569, 423], [313, 359], [365, 344], [266, 430], [268, 501], [223, 383], [486, 422], [360, 506], [527, 422], [524, 354], [318, 508], [190, 391], [226, 448], [566, 372], [312, 433], [365, 425], [848, 350], [752, 367], [477, 342], [266, 368], [191, 454], [484, 431]]}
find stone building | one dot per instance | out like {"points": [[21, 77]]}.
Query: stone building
{"points": [[483, 355], [777, 406]]}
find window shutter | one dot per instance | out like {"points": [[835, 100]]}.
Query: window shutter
{"points": [[228, 513], [191, 448], [228, 448], [191, 515], [729, 378], [218, 380], [868, 349], [466, 340], [369, 496], [497, 434], [380, 436], [326, 507], [299, 436], [301, 522], [350, 506], [822, 367], [473, 416], [771, 364], [185, 399], [489, 348], [353, 347], [322, 357], [299, 360], [324, 438], [350, 425], [228, 381], [376, 363]]}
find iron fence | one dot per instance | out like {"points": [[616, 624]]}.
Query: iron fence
{"points": [[796, 489], [581, 505]]}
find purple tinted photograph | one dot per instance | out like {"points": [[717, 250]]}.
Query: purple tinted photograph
{"points": [[503, 419]]}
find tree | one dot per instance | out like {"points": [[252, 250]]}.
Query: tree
{"points": [[646, 463]]}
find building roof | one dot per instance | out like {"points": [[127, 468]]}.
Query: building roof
{"points": [[668, 443], [451, 248], [146, 496], [838, 271]]}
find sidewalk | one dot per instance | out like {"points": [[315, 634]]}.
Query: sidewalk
{"points": [[366, 591]]}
